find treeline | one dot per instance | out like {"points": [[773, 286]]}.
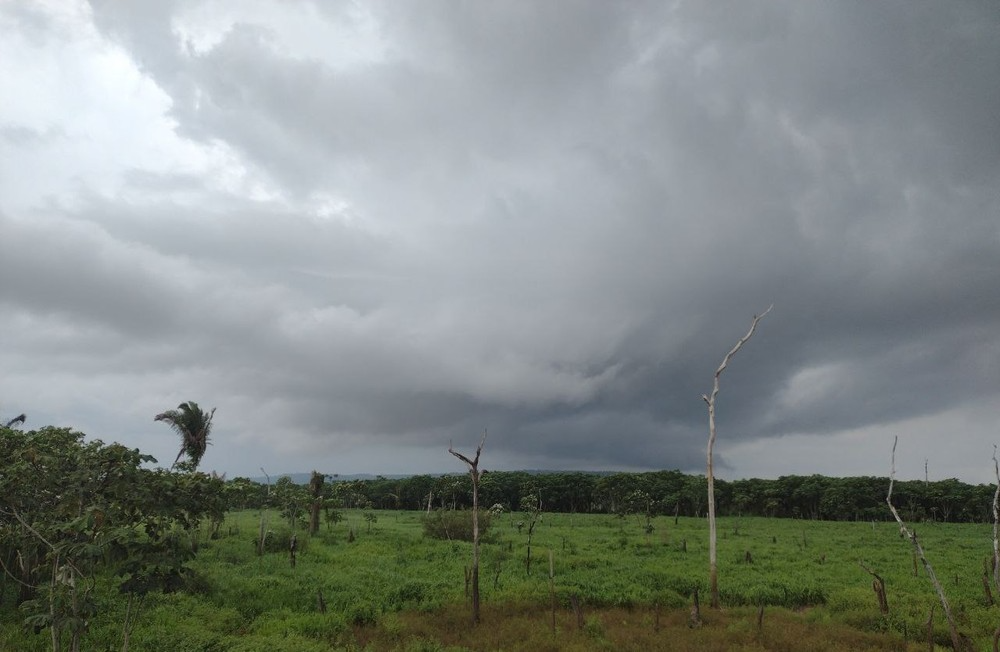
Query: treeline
{"points": [[654, 493]]}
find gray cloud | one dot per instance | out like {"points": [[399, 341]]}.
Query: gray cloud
{"points": [[553, 221]]}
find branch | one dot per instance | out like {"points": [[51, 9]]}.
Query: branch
{"points": [[473, 463], [912, 536], [729, 356], [13, 512]]}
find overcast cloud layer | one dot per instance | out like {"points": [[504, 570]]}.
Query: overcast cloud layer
{"points": [[362, 230]]}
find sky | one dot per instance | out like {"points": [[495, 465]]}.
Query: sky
{"points": [[364, 231]]}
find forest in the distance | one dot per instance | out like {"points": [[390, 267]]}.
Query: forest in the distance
{"points": [[654, 493]]}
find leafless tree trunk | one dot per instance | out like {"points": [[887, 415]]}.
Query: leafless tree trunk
{"points": [[956, 640], [996, 522], [316, 490], [713, 569], [263, 515], [475, 474]]}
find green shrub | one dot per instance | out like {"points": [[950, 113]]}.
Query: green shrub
{"points": [[455, 525]]}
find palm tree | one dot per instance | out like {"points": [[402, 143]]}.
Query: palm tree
{"points": [[194, 426], [16, 421]]}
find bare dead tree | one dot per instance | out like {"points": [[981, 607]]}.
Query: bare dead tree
{"points": [[996, 521], [713, 568], [262, 536], [956, 640], [475, 474]]}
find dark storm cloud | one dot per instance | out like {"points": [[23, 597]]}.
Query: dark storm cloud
{"points": [[554, 220]]}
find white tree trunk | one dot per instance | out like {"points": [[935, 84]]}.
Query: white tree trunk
{"points": [[713, 568]]}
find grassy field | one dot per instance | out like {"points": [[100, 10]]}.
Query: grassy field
{"points": [[392, 588]]}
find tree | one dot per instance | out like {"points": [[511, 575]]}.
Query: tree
{"points": [[16, 421], [475, 474], [713, 569], [72, 511], [194, 426]]}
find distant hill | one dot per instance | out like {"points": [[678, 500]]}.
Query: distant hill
{"points": [[303, 478]]}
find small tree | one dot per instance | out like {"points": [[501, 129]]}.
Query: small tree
{"points": [[532, 504], [475, 474], [713, 569]]}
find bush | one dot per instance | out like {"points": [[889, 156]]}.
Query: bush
{"points": [[455, 525]]}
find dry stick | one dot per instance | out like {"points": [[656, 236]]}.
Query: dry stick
{"points": [[996, 640], [878, 585], [574, 600], [713, 567], [552, 590], [694, 620], [930, 630], [912, 536], [475, 474]]}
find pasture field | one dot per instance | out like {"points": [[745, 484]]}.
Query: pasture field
{"points": [[393, 588]]}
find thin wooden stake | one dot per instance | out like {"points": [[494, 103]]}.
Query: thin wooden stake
{"points": [[694, 620], [930, 629], [574, 600], [552, 590]]}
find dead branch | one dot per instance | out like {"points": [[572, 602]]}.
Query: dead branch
{"points": [[713, 568], [878, 585], [956, 640]]}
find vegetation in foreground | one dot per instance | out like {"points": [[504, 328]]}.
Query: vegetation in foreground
{"points": [[100, 552], [375, 581]]}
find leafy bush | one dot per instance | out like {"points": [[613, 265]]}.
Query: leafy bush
{"points": [[455, 525]]}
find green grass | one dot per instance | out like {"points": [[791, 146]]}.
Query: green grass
{"points": [[394, 589]]}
